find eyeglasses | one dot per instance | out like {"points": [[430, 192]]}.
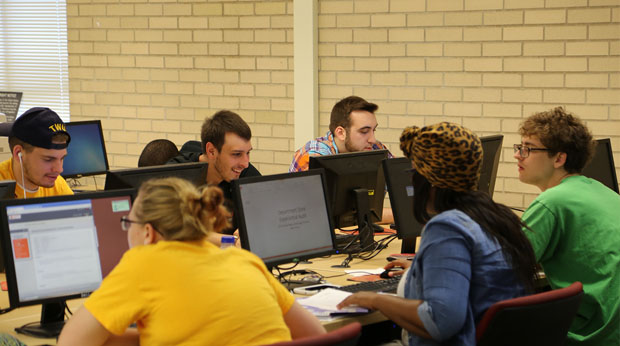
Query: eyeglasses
{"points": [[126, 223], [525, 151]]}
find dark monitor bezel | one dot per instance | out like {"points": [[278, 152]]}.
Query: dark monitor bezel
{"points": [[497, 153], [7, 250], [7, 189], [240, 216], [338, 198], [103, 148], [117, 179], [398, 175], [603, 147]]}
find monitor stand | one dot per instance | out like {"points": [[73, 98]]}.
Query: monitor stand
{"points": [[408, 245], [52, 321], [362, 205]]}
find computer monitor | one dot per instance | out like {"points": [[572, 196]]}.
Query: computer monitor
{"points": [[195, 172], [284, 218], [59, 248], [398, 178], [86, 154], [602, 166], [356, 189], [491, 152], [7, 191]]}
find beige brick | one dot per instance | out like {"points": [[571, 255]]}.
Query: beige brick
{"points": [[388, 78], [166, 101], [193, 49], [238, 9], [92, 35], [526, 4], [326, 21], [444, 64], [335, 35], [444, 5], [208, 35], [503, 17], [482, 34], [483, 64], [254, 22], [353, 21], [282, 77], [254, 49], [232, 63], [462, 49], [149, 87], [148, 9], [239, 35], [149, 35], [615, 14], [587, 48], [223, 102], [255, 77], [544, 80], [93, 61], [353, 78], [175, 88], [134, 48], [371, 6], [462, 18], [223, 49], [545, 17], [163, 23], [407, 64], [560, 96], [98, 10], [224, 76], [224, 22], [463, 79], [209, 89], [204, 9], [528, 33], [193, 23], [566, 64], [79, 23], [271, 63], [501, 49], [163, 48], [425, 79], [270, 8], [82, 73], [604, 128], [482, 124], [370, 35], [388, 49], [209, 62], [614, 81], [371, 64], [486, 5], [589, 112], [425, 19], [282, 22], [611, 31], [358, 49], [238, 90], [444, 34], [444, 94], [327, 49], [424, 49], [271, 90], [369, 92], [481, 95], [566, 32], [543, 48], [177, 9], [425, 108], [103, 22], [406, 35], [400, 122], [271, 117], [407, 5], [603, 97], [501, 80], [589, 15], [566, 3], [502, 110], [193, 75], [184, 116], [463, 109], [406, 93], [336, 7], [178, 62], [270, 35], [611, 64], [586, 80], [98, 86], [80, 47], [335, 90], [614, 114], [388, 20], [521, 95], [136, 100], [524, 64], [136, 74], [336, 64]]}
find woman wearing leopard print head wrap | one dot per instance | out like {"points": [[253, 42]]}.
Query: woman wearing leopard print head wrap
{"points": [[473, 251]]}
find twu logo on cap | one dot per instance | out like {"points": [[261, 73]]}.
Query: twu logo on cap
{"points": [[58, 127]]}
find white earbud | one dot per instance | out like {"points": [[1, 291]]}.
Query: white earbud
{"points": [[19, 154], [21, 165]]}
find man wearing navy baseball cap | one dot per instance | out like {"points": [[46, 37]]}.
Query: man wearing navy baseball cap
{"points": [[38, 141]]}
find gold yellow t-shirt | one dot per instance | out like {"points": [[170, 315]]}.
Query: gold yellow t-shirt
{"points": [[193, 293], [60, 186]]}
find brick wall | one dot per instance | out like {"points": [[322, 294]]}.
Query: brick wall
{"points": [[152, 69]]}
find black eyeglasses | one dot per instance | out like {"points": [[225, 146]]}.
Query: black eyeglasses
{"points": [[126, 223], [525, 151]]}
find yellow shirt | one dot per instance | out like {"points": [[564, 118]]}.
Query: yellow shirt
{"points": [[193, 293], [60, 186]]}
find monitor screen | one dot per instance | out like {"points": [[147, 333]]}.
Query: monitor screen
{"points": [[195, 172], [602, 166], [355, 182], [491, 152], [86, 153], [398, 178], [284, 218], [58, 248]]}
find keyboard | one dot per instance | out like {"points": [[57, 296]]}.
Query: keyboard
{"points": [[384, 285]]}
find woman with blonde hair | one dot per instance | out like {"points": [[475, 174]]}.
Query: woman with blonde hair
{"points": [[181, 289]]}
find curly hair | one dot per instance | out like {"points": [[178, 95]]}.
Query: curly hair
{"points": [[560, 131]]}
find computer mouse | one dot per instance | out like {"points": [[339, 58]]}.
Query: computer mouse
{"points": [[385, 273]]}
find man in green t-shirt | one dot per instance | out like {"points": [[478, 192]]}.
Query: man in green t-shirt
{"points": [[574, 223]]}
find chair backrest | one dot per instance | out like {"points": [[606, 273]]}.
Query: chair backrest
{"points": [[538, 319], [343, 336]]}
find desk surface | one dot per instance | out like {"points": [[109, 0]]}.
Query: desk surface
{"points": [[21, 316]]}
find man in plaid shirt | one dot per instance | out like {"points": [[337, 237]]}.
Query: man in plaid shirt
{"points": [[351, 128]]}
